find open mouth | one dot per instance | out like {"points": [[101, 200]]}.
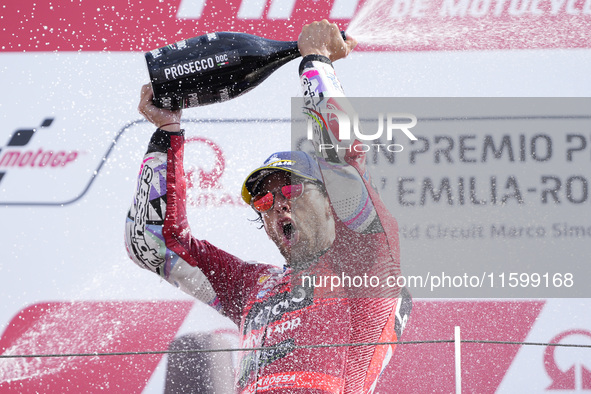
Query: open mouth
{"points": [[289, 231]]}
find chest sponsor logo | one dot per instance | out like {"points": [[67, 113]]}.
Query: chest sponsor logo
{"points": [[267, 381], [274, 308], [286, 326]]}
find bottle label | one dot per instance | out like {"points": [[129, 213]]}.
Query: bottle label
{"points": [[196, 66], [192, 100], [156, 53]]}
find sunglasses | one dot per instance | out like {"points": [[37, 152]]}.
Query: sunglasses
{"points": [[264, 202]]}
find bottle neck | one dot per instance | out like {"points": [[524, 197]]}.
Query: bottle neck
{"points": [[292, 49], [287, 50]]}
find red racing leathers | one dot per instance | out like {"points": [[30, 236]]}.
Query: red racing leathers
{"points": [[270, 305]]}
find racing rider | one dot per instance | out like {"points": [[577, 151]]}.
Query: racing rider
{"points": [[325, 217]]}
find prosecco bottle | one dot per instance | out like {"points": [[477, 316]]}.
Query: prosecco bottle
{"points": [[214, 67]]}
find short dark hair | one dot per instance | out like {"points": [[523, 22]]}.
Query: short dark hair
{"points": [[258, 220]]}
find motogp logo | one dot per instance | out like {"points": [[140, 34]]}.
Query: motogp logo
{"points": [[15, 154]]}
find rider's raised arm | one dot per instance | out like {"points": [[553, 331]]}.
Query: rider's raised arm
{"points": [[343, 167], [157, 232]]}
